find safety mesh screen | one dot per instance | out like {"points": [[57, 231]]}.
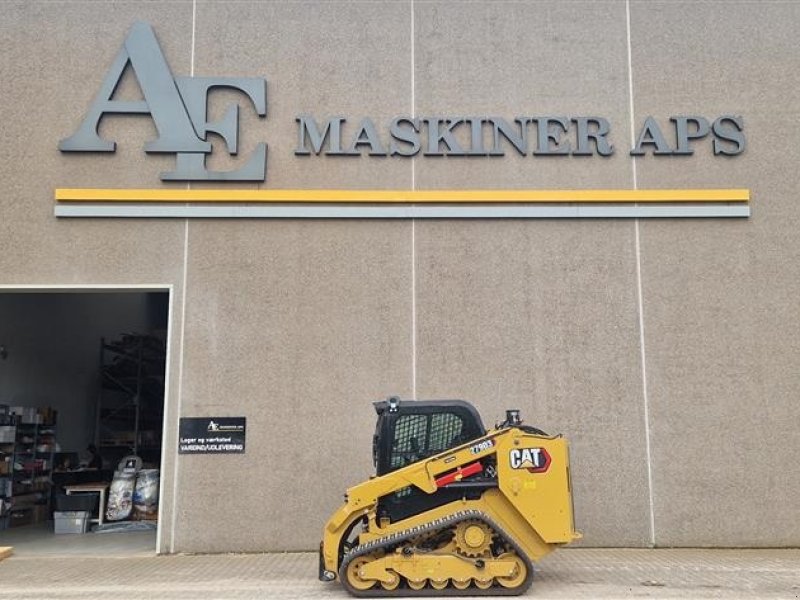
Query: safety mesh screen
{"points": [[410, 437], [445, 432], [418, 436]]}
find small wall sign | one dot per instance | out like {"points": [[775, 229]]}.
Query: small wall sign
{"points": [[211, 435]]}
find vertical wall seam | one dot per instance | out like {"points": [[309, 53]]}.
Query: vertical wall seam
{"points": [[178, 408], [639, 291], [413, 229]]}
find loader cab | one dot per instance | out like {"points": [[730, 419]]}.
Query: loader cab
{"points": [[409, 430]]}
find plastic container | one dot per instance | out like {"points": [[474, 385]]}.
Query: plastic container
{"points": [[7, 433], [76, 521], [76, 502]]}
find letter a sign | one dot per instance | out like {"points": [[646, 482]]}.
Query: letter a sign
{"points": [[178, 107]]}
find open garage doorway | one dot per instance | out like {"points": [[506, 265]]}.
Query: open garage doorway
{"points": [[82, 387]]}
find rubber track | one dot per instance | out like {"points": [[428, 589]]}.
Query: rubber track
{"points": [[401, 536]]}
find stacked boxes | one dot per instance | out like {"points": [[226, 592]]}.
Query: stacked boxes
{"points": [[8, 433], [26, 414]]}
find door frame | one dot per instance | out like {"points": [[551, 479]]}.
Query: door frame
{"points": [[168, 408]]}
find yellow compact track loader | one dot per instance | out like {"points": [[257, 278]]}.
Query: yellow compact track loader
{"points": [[453, 509]]}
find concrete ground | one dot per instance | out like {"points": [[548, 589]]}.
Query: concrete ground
{"points": [[569, 573], [40, 541]]}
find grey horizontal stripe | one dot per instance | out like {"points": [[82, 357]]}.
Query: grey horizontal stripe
{"points": [[403, 211]]}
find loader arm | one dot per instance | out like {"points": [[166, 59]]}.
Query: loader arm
{"points": [[362, 500]]}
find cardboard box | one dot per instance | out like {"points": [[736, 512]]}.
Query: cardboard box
{"points": [[40, 513]]}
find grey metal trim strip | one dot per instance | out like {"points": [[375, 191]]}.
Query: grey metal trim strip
{"points": [[403, 211]]}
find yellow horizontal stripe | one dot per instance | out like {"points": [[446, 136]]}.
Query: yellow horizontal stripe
{"points": [[400, 196]]}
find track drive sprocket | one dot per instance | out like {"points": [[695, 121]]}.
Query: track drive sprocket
{"points": [[473, 538]]}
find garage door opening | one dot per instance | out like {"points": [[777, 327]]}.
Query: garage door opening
{"points": [[82, 385]]}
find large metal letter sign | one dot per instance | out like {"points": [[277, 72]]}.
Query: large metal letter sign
{"points": [[178, 107]]}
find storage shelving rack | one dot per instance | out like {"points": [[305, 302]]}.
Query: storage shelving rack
{"points": [[130, 405], [26, 486], [8, 435]]}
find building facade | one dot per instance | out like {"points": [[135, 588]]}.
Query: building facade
{"points": [[665, 349]]}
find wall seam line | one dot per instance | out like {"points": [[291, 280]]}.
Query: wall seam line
{"points": [[178, 408], [413, 228], [639, 290]]}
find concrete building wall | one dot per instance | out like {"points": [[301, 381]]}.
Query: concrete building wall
{"points": [[720, 303], [664, 350]]}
